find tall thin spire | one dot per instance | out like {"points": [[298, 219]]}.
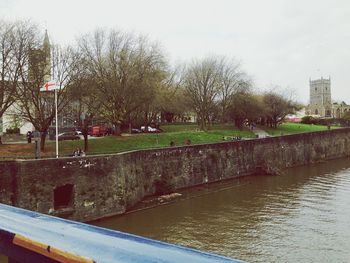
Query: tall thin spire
{"points": [[46, 49], [46, 43]]}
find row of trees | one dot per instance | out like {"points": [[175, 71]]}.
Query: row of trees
{"points": [[125, 79], [218, 90]]}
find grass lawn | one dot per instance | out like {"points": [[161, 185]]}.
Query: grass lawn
{"points": [[177, 133], [182, 127], [290, 128]]}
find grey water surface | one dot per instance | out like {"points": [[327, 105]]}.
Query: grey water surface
{"points": [[301, 216]]}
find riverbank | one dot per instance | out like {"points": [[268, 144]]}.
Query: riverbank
{"points": [[92, 187], [184, 194]]}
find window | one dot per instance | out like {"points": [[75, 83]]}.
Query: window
{"points": [[63, 196]]}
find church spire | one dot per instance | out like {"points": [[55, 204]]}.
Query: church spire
{"points": [[46, 49], [46, 43]]}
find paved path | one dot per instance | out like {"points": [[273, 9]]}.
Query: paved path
{"points": [[260, 133], [14, 142]]}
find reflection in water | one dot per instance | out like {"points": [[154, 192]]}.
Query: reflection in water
{"points": [[301, 216]]}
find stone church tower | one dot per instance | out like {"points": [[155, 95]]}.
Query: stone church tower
{"points": [[46, 49], [40, 63], [320, 97]]}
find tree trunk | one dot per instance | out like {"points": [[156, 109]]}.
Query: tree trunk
{"points": [[42, 140], [86, 144], [118, 131], [201, 124], [145, 123], [85, 132]]}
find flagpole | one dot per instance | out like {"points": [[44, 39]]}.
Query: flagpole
{"points": [[56, 124]]}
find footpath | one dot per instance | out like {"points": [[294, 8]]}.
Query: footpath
{"points": [[13, 139], [260, 133]]}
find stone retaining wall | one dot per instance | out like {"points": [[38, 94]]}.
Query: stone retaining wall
{"points": [[93, 187]]}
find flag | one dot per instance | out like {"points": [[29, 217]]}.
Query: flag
{"points": [[48, 86]]}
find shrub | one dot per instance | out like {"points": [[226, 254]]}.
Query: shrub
{"points": [[12, 131], [308, 120]]}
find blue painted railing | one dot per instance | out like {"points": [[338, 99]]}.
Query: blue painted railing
{"points": [[27, 236]]}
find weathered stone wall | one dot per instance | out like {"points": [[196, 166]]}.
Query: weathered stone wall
{"points": [[97, 186], [109, 184], [8, 182]]}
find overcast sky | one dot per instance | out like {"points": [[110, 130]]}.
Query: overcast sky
{"points": [[279, 42]]}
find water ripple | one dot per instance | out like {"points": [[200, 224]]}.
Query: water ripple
{"points": [[302, 216]]}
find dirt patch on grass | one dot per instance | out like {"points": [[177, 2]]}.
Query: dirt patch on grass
{"points": [[13, 151]]}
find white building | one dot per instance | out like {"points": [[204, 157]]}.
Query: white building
{"points": [[10, 120]]}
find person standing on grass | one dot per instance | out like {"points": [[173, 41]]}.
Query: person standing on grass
{"points": [[29, 137]]}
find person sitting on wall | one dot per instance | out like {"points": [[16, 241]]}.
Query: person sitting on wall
{"points": [[76, 152], [81, 152]]}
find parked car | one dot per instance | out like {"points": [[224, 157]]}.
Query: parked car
{"points": [[134, 130], [150, 129], [68, 136]]}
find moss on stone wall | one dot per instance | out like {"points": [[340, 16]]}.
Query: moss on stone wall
{"points": [[109, 184]]}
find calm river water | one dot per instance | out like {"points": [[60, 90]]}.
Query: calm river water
{"points": [[302, 216]]}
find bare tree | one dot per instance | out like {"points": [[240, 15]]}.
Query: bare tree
{"points": [[169, 98], [233, 80], [202, 85], [14, 42], [126, 69], [44, 63], [84, 93], [277, 106], [245, 106]]}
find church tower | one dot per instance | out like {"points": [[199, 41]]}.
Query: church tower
{"points": [[40, 62], [320, 97], [46, 49]]}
